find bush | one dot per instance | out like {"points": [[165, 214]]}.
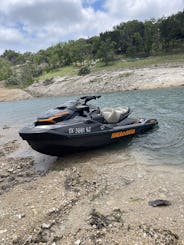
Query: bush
{"points": [[20, 79], [13, 80], [84, 70]]}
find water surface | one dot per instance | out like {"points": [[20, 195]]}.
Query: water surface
{"points": [[162, 146]]}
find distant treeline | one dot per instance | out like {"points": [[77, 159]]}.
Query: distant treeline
{"points": [[129, 39]]}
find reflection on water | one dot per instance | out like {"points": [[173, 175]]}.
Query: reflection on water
{"points": [[162, 146]]}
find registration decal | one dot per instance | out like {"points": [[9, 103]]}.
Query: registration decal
{"points": [[122, 133], [80, 130]]}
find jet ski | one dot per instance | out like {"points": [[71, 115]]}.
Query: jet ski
{"points": [[77, 125]]}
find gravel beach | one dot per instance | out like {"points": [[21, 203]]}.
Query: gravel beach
{"points": [[96, 197]]}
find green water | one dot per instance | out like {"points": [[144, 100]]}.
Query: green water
{"points": [[162, 146]]}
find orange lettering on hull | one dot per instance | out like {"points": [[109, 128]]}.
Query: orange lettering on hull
{"points": [[122, 133]]}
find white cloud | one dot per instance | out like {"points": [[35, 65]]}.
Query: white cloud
{"points": [[9, 35], [142, 9], [34, 24]]}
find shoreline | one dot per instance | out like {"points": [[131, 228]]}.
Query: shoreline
{"points": [[97, 197], [12, 94], [151, 77]]}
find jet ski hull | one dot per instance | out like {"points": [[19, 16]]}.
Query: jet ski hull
{"points": [[55, 141]]}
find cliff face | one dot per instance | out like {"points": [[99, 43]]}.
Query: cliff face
{"points": [[110, 81]]}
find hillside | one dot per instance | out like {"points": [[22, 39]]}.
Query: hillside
{"points": [[128, 40], [111, 81]]}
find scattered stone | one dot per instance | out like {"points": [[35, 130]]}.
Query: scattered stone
{"points": [[100, 221], [75, 183], [46, 226], [52, 230], [14, 171], [159, 202], [78, 242], [20, 216], [3, 231], [8, 148], [15, 239], [160, 236]]}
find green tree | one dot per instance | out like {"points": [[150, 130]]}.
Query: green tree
{"points": [[171, 29], [94, 45], [106, 51], [149, 31], [13, 57], [138, 42]]}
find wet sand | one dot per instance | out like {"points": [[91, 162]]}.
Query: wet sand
{"points": [[96, 197]]}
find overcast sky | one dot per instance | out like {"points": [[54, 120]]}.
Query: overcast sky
{"points": [[31, 25]]}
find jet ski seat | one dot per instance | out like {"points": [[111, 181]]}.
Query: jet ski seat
{"points": [[115, 115]]}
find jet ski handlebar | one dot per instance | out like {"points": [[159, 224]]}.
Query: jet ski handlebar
{"points": [[89, 97]]}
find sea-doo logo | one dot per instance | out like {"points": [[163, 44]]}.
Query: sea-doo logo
{"points": [[122, 133]]}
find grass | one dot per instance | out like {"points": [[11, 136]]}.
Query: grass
{"points": [[123, 63], [64, 71], [138, 63]]}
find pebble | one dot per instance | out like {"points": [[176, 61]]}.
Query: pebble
{"points": [[10, 170], [159, 202], [78, 242], [15, 238], [45, 226], [20, 216], [3, 231]]}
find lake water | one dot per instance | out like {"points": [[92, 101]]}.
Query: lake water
{"points": [[162, 146]]}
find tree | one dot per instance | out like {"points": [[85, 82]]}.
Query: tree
{"points": [[138, 42], [171, 29], [106, 51], [94, 46], [13, 57], [149, 31]]}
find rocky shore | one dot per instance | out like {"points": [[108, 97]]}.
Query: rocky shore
{"points": [[97, 197], [111, 81], [152, 77]]}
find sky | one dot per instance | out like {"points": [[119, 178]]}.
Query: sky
{"points": [[31, 25]]}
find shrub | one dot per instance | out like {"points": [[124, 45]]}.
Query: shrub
{"points": [[84, 70], [13, 80]]}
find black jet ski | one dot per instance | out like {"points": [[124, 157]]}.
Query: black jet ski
{"points": [[77, 125]]}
